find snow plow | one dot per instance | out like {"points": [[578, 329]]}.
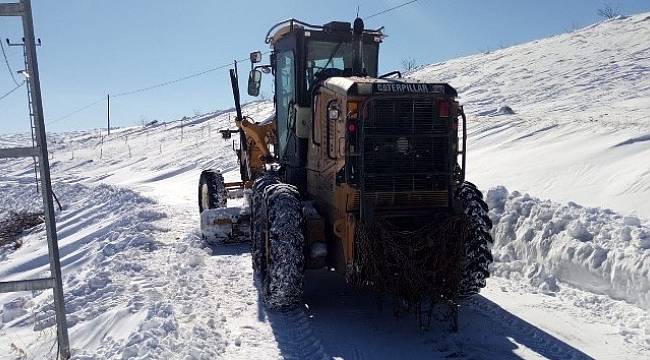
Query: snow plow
{"points": [[221, 223], [360, 173]]}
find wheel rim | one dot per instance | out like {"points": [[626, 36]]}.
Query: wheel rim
{"points": [[205, 196]]}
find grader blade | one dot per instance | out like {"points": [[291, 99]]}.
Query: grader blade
{"points": [[228, 224]]}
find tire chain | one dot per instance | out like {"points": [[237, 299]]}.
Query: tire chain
{"points": [[414, 255], [414, 267], [220, 196], [477, 252], [285, 267], [258, 215]]}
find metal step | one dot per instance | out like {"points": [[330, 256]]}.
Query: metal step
{"points": [[11, 9], [26, 285], [19, 152]]}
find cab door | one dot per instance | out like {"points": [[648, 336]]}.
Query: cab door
{"points": [[285, 98]]}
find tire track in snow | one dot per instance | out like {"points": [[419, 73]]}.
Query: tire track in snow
{"points": [[536, 339], [295, 336]]}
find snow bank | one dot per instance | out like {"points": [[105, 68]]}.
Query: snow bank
{"points": [[134, 277], [593, 249], [104, 235]]}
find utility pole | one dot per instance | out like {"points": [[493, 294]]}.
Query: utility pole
{"points": [[108, 113], [23, 9]]}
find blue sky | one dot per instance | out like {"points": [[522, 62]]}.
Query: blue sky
{"points": [[92, 47]]}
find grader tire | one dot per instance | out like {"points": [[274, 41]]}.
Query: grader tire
{"points": [[212, 191], [282, 282], [258, 220], [477, 255]]}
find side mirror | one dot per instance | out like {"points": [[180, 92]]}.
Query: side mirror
{"points": [[256, 57], [254, 82]]}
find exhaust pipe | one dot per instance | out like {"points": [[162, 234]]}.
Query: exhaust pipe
{"points": [[357, 32]]}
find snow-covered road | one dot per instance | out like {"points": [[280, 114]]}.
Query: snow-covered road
{"points": [[510, 320], [140, 283]]}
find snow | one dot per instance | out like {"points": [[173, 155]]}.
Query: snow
{"points": [[582, 115], [593, 249], [217, 224], [571, 274]]}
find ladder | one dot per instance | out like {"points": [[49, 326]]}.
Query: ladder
{"points": [[32, 121], [38, 152]]}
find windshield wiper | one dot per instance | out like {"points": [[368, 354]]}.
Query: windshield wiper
{"points": [[336, 49]]}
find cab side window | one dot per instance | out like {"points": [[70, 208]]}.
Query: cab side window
{"points": [[285, 96]]}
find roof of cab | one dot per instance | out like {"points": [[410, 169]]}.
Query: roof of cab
{"points": [[281, 29]]}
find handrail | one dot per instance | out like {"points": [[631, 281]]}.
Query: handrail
{"points": [[313, 116], [291, 21], [396, 72], [462, 114]]}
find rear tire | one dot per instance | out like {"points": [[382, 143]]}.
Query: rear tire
{"points": [[258, 220], [476, 250], [282, 280], [212, 190]]}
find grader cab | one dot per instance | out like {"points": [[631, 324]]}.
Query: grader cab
{"points": [[358, 172]]}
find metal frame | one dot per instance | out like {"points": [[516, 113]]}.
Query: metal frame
{"points": [[292, 22], [24, 10], [31, 107], [365, 211]]}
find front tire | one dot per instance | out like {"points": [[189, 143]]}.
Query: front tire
{"points": [[476, 250], [258, 220], [282, 281], [212, 190]]}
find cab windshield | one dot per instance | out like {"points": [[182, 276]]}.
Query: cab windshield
{"points": [[323, 55]]}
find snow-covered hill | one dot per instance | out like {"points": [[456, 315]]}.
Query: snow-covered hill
{"points": [[581, 128], [571, 281]]}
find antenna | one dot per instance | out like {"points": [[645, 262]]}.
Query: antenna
{"points": [[357, 10]]}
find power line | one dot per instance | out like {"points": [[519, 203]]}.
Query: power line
{"points": [[390, 9], [12, 90], [11, 72], [77, 111], [170, 82], [159, 85], [166, 83]]}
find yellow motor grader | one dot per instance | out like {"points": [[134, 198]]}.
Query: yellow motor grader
{"points": [[357, 172]]}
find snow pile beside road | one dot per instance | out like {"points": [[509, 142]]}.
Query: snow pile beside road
{"points": [[131, 276], [101, 232], [592, 249], [31, 202]]}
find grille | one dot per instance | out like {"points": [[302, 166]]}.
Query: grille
{"points": [[406, 116], [399, 199], [405, 146]]}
